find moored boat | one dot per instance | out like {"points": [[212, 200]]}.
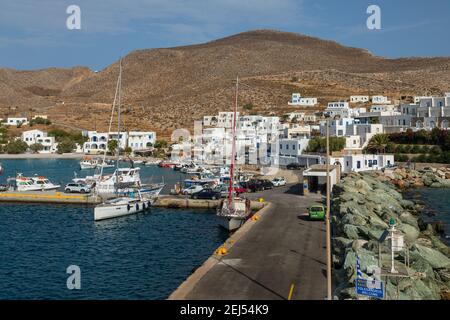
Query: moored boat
{"points": [[119, 207]]}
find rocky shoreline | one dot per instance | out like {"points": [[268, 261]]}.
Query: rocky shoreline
{"points": [[362, 206]]}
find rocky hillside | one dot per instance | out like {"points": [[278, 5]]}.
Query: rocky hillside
{"points": [[362, 207], [168, 88]]}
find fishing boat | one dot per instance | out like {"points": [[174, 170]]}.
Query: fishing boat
{"points": [[36, 183], [124, 183], [233, 211], [89, 163]]}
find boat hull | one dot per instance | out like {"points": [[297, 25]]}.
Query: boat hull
{"points": [[231, 224], [104, 212]]}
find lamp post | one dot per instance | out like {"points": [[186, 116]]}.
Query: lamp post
{"points": [[327, 218]]}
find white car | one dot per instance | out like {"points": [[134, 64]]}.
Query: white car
{"points": [[279, 181], [192, 189]]}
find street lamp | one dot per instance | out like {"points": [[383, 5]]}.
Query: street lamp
{"points": [[327, 216]]}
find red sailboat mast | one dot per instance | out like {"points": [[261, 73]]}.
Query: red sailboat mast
{"points": [[233, 147]]}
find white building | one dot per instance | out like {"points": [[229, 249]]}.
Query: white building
{"points": [[298, 100], [359, 99], [16, 121], [141, 140], [136, 140], [340, 108], [49, 145], [337, 128], [31, 137], [380, 100], [290, 150], [363, 162]]}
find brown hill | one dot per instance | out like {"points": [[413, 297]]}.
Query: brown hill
{"points": [[169, 88]]}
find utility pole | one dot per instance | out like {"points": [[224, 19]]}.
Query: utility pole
{"points": [[327, 218]]}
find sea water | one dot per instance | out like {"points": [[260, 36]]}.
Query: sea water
{"points": [[143, 256]]}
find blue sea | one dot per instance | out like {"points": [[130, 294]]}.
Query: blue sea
{"points": [[144, 256], [437, 201]]}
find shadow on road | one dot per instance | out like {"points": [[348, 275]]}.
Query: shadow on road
{"points": [[253, 280]]}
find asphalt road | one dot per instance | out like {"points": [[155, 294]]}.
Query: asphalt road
{"points": [[281, 249]]}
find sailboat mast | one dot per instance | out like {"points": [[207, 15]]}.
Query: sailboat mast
{"points": [[111, 120], [233, 147], [118, 113]]}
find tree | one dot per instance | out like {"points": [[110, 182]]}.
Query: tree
{"points": [[66, 146], [161, 144], [16, 147], [248, 106], [378, 143], [36, 147], [128, 150], [112, 146]]}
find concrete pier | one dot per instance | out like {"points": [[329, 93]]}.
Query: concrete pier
{"points": [[48, 197], [183, 202], [279, 255]]}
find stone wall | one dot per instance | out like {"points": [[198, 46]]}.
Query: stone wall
{"points": [[362, 205]]}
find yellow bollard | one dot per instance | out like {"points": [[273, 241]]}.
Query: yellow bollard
{"points": [[221, 251], [261, 200], [255, 218]]}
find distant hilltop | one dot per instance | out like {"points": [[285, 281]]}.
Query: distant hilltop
{"points": [[168, 88]]}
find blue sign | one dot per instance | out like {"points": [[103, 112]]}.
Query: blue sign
{"points": [[370, 288]]}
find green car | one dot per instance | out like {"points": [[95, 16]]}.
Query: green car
{"points": [[316, 212]]}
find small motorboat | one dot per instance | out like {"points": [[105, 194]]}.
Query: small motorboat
{"points": [[36, 183]]}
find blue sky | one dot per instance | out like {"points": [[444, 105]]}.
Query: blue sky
{"points": [[33, 33]]}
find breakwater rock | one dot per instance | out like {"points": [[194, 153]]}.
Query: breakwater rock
{"points": [[362, 206], [409, 178]]}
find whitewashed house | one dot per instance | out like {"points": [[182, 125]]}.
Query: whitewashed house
{"points": [[380, 100], [359, 99], [16, 121], [290, 150], [363, 162], [298, 100], [30, 136], [136, 140], [141, 140], [49, 145]]}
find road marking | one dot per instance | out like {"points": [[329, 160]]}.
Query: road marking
{"points": [[291, 292]]}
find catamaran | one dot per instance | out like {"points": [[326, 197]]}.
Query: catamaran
{"points": [[124, 183], [233, 211]]}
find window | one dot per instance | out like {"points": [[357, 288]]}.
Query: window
{"points": [[375, 162], [358, 164], [370, 163]]}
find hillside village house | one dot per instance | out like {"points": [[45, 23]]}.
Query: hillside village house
{"points": [[380, 100], [359, 99], [16, 121], [298, 100], [31, 137], [136, 140], [342, 109]]}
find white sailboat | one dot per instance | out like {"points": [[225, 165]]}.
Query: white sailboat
{"points": [[124, 180], [233, 211]]}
